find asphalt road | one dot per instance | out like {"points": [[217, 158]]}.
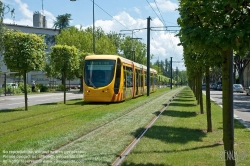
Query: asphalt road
{"points": [[9, 102], [241, 105]]}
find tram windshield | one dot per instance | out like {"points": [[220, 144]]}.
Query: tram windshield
{"points": [[98, 73]]}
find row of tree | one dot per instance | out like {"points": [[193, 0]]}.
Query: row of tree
{"points": [[211, 32]]}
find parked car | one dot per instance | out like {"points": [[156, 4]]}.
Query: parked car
{"points": [[238, 88], [219, 87], [203, 86], [211, 85], [10, 85], [248, 91]]}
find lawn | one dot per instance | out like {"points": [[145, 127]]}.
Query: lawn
{"points": [[47, 127], [179, 137]]}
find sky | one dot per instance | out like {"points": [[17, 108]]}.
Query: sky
{"points": [[120, 16]]}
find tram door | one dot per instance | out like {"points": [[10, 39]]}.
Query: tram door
{"points": [[137, 82], [117, 77]]}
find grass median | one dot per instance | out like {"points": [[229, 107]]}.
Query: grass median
{"points": [[179, 137]]}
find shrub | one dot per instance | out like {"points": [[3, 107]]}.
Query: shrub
{"points": [[21, 86], [61, 87], [42, 88]]}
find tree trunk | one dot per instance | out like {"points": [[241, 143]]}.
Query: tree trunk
{"points": [[227, 100], [241, 81], [64, 88], [200, 92], [25, 91], [208, 102], [81, 82], [196, 90]]}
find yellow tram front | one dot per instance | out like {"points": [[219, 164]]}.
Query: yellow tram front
{"points": [[100, 80]]}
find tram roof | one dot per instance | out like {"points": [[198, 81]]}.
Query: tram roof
{"points": [[114, 57]]}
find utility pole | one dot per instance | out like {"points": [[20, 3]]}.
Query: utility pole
{"points": [[158, 64], [94, 26], [171, 72], [148, 55]]}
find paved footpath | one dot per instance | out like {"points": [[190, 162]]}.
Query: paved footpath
{"points": [[10, 101]]}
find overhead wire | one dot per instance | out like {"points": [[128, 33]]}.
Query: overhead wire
{"points": [[109, 14], [163, 22]]}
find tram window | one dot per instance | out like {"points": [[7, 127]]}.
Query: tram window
{"points": [[129, 77], [98, 73], [141, 75], [125, 76], [155, 79], [151, 78]]}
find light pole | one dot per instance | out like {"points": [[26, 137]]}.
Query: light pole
{"points": [[93, 24]]}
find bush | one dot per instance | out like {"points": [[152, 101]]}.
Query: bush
{"points": [[21, 87], [42, 88], [1, 91], [61, 87], [17, 90]]}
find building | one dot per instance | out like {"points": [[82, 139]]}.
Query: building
{"points": [[39, 20], [39, 27]]}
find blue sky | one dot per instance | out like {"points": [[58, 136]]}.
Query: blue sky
{"points": [[111, 15]]}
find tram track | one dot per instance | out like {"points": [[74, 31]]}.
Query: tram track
{"points": [[132, 144], [68, 144]]}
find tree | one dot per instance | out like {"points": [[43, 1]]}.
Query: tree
{"points": [[64, 59], [116, 40], [3, 10], [62, 21], [24, 53], [218, 26], [241, 62], [126, 50]]}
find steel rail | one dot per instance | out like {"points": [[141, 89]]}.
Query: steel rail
{"points": [[128, 149]]}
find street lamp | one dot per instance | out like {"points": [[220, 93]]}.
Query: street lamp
{"points": [[93, 24]]}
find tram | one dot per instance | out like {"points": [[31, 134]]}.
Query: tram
{"points": [[112, 78]]}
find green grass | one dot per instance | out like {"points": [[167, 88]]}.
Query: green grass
{"points": [[179, 137], [47, 127]]}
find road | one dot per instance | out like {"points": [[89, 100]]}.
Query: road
{"points": [[9, 102], [241, 105]]}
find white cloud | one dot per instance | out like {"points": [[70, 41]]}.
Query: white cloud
{"points": [[18, 22], [137, 10], [164, 5], [163, 44], [23, 7]]}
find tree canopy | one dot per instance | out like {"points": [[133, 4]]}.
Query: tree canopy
{"points": [[23, 53], [65, 60]]}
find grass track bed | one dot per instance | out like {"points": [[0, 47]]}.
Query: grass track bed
{"points": [[55, 133], [179, 138], [102, 146]]}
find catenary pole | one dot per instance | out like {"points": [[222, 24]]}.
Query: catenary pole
{"points": [[148, 55]]}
